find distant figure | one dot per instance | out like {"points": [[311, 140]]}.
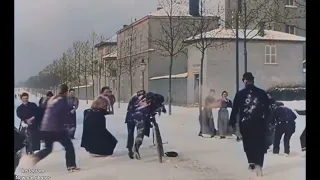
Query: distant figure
{"points": [[28, 112], [284, 120], [52, 130], [211, 94], [206, 119], [252, 104], [223, 116], [96, 139], [112, 99], [73, 103], [15, 96]]}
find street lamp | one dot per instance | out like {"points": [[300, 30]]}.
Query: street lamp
{"points": [[143, 66]]}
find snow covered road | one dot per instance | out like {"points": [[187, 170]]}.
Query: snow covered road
{"points": [[199, 158]]}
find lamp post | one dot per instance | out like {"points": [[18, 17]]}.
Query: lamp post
{"points": [[143, 66]]}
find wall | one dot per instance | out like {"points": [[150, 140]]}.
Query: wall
{"points": [[82, 93], [179, 89], [220, 67]]}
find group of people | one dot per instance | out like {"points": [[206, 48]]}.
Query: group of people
{"points": [[261, 122], [55, 121], [49, 122]]}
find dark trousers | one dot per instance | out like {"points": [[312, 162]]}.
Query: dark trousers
{"points": [[254, 142], [303, 139], [64, 139], [200, 122], [286, 129], [140, 125]]}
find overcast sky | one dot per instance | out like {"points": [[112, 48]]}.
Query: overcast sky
{"points": [[46, 28]]}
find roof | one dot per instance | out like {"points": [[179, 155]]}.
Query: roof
{"points": [[180, 8], [251, 34], [112, 40], [111, 55], [176, 76]]}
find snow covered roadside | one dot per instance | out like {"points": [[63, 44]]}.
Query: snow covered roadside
{"points": [[199, 158]]}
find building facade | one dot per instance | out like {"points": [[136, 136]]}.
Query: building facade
{"points": [[143, 40], [274, 59]]}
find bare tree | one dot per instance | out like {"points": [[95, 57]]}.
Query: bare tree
{"points": [[131, 61], [200, 39], [77, 49], [290, 12], [93, 59], [168, 43], [116, 68], [85, 68], [253, 17]]}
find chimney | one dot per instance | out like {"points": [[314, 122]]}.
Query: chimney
{"points": [[194, 7], [159, 8], [262, 28], [124, 25]]}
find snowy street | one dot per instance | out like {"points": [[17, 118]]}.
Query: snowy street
{"points": [[199, 158]]}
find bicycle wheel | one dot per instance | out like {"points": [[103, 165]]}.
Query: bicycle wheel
{"points": [[158, 142]]}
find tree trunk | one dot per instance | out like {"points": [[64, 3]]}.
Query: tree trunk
{"points": [[93, 85], [131, 84], [86, 84], [170, 90], [118, 91], [201, 81]]}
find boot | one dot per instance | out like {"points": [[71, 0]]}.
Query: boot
{"points": [[130, 153]]}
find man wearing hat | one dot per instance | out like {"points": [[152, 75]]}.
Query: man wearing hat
{"points": [[283, 119], [252, 104]]}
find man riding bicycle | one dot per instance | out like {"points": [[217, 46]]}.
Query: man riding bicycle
{"points": [[140, 108]]}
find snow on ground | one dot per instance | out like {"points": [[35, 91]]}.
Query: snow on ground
{"points": [[199, 158]]}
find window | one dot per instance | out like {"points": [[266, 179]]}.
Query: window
{"points": [[290, 3], [290, 29], [270, 54]]}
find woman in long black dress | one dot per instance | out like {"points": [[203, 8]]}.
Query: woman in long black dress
{"points": [[96, 139]]}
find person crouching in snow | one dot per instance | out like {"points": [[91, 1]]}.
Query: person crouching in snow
{"points": [[133, 122], [284, 120]]}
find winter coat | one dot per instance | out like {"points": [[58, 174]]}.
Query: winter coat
{"points": [[252, 104], [73, 102], [281, 115], [26, 111], [56, 114]]}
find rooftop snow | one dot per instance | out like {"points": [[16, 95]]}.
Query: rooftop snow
{"points": [[112, 39], [111, 55], [251, 34], [183, 75]]}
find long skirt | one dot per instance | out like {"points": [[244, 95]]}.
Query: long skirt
{"points": [[223, 123]]}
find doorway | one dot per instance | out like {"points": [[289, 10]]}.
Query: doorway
{"points": [[196, 88]]}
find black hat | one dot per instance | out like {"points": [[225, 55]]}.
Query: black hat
{"points": [[248, 76], [49, 93]]}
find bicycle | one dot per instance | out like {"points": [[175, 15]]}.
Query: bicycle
{"points": [[157, 140]]}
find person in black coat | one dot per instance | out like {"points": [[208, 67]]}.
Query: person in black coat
{"points": [[284, 120], [252, 104], [28, 112], [96, 139]]}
